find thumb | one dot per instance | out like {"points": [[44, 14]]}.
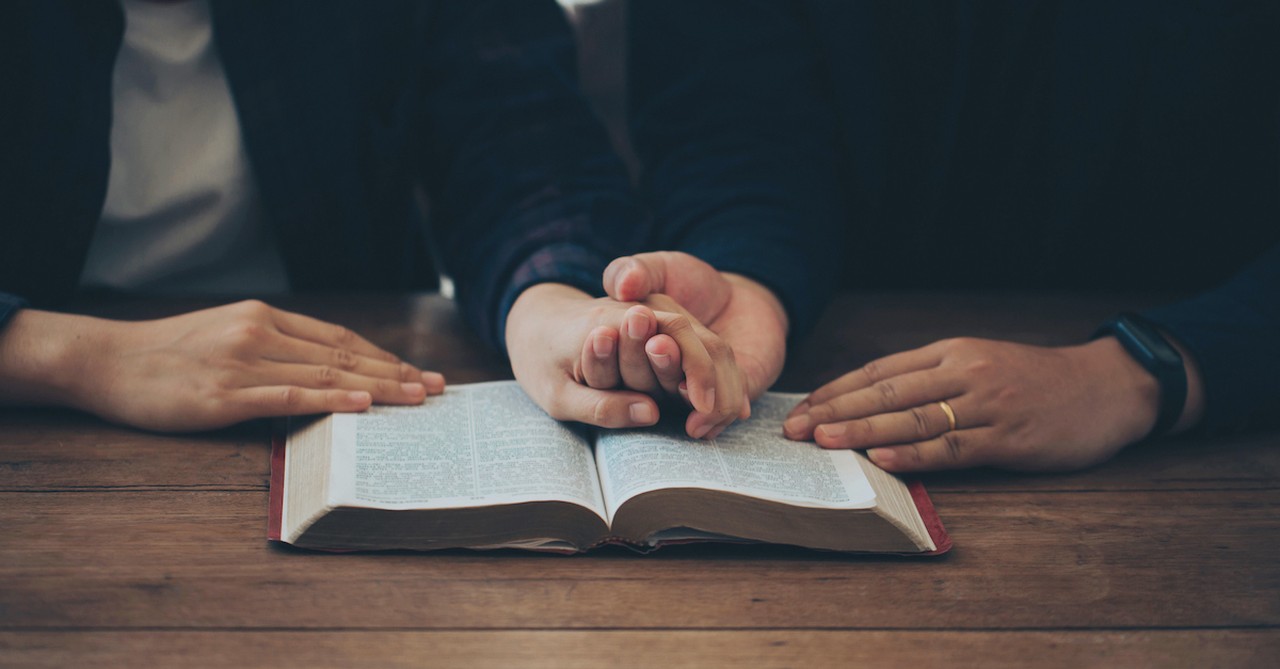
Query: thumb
{"points": [[634, 278], [693, 283], [603, 408]]}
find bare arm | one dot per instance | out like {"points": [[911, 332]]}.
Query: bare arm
{"points": [[200, 370]]}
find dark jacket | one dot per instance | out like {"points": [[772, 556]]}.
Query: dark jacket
{"points": [[1046, 144], [345, 109]]}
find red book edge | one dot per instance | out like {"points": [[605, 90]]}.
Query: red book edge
{"points": [[924, 505], [275, 510]]}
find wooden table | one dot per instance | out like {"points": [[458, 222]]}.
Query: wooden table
{"points": [[119, 548]]}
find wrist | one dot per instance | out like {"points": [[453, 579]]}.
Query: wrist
{"points": [[760, 336], [757, 291], [1193, 407], [46, 357], [540, 298], [1151, 349], [1128, 392]]}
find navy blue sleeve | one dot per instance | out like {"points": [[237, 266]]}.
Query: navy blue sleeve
{"points": [[9, 305], [738, 144], [1233, 333], [524, 185]]}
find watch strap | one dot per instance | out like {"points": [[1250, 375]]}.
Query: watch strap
{"points": [[1144, 342]]}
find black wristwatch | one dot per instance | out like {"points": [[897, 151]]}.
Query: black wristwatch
{"points": [[1143, 341]]}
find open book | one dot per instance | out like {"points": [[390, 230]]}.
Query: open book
{"points": [[483, 467]]}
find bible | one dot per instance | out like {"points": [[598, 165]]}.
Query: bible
{"points": [[483, 467]]}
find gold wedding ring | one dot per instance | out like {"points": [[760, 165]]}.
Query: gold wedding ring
{"points": [[951, 414]]}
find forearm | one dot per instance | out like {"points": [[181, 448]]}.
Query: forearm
{"points": [[43, 355]]}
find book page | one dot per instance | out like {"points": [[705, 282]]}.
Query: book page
{"points": [[750, 458], [476, 445]]}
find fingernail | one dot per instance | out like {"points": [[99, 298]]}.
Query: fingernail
{"points": [[637, 326], [700, 431], [881, 456], [831, 430], [413, 388], [433, 380], [611, 273], [796, 425], [602, 345], [642, 413], [802, 407], [359, 397], [627, 267], [660, 361]]}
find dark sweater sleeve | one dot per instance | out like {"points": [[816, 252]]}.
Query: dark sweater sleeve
{"points": [[524, 184], [1233, 333], [737, 141], [9, 305]]}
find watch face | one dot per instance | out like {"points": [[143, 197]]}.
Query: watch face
{"points": [[1149, 342]]}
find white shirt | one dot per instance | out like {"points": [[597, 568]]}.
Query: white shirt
{"points": [[182, 213]]}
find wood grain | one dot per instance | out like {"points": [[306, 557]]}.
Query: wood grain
{"points": [[1023, 560], [674, 649], [117, 545]]}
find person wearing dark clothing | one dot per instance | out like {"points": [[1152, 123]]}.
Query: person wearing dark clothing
{"points": [[313, 125], [973, 144]]}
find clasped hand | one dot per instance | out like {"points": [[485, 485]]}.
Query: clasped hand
{"points": [[672, 327], [604, 362]]}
